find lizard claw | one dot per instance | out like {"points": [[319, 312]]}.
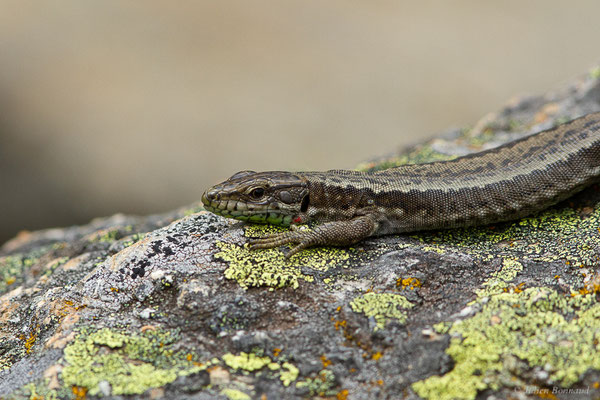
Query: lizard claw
{"points": [[282, 239], [270, 241], [339, 233]]}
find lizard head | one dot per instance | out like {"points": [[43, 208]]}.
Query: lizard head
{"points": [[274, 197]]}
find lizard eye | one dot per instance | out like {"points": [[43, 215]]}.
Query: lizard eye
{"points": [[257, 193]]}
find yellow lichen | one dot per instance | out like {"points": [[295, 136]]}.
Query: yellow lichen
{"points": [[382, 307]]}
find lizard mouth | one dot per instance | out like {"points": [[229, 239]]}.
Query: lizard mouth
{"points": [[258, 213]]}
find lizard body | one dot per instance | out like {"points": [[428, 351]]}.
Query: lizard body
{"points": [[500, 184]]}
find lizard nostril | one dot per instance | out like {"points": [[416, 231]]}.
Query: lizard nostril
{"points": [[209, 196]]}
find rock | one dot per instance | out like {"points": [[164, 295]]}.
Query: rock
{"points": [[175, 305]]}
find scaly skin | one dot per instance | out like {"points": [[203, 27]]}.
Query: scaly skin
{"points": [[504, 183]]}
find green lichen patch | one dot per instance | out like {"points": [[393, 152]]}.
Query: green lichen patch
{"points": [[514, 332], [246, 361], [124, 234], [382, 307], [289, 373], [251, 362], [132, 239], [258, 230], [13, 268], [498, 281], [556, 234], [320, 385], [110, 235], [39, 390], [270, 268], [131, 364], [234, 394]]}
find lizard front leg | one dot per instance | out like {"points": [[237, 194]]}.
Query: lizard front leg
{"points": [[337, 233]]}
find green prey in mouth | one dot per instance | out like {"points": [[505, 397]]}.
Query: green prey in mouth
{"points": [[271, 198]]}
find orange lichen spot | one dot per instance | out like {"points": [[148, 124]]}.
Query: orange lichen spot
{"points": [[263, 397], [380, 382], [276, 352], [339, 323], [519, 287], [376, 356], [568, 262], [342, 394], [352, 370], [596, 385], [325, 361], [114, 289], [592, 286], [408, 283], [556, 276], [10, 280], [338, 308], [189, 357], [30, 341], [79, 392]]}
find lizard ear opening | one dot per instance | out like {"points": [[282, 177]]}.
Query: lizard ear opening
{"points": [[305, 203]]}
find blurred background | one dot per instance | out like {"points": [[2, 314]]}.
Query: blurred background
{"points": [[121, 106]]}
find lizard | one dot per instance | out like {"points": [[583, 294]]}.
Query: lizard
{"points": [[500, 184]]}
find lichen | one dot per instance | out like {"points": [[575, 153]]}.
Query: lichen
{"points": [[131, 364], [408, 283], [498, 281], [557, 333], [250, 362], [245, 361], [289, 374], [553, 235], [132, 239], [320, 385], [13, 267], [271, 269], [38, 390], [107, 235], [234, 394], [382, 307]]}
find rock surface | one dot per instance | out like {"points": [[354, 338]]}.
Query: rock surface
{"points": [[175, 306]]}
